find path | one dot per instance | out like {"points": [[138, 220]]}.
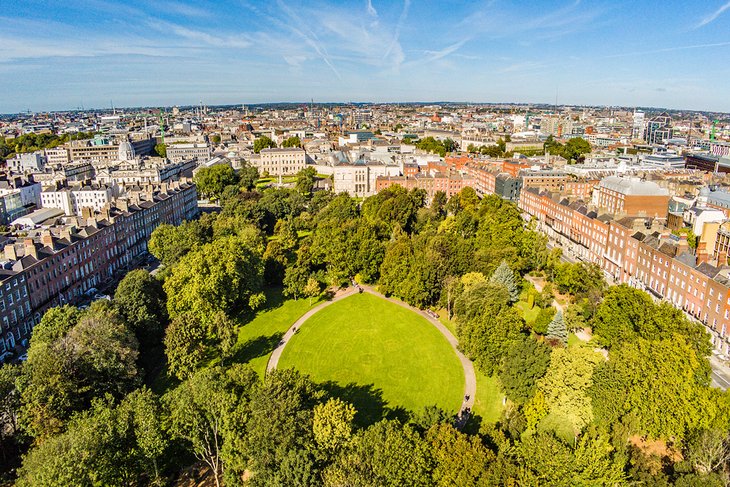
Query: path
{"points": [[539, 285], [470, 380], [276, 354]]}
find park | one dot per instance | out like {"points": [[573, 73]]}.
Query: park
{"points": [[378, 354]]}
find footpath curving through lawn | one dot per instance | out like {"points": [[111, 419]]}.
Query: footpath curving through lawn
{"points": [[379, 355]]}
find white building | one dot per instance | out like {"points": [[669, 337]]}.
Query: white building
{"points": [[185, 152], [58, 156], [280, 162], [72, 200], [359, 178]]}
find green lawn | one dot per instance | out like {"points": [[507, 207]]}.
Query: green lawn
{"points": [[529, 315], [258, 337], [488, 401], [381, 357]]}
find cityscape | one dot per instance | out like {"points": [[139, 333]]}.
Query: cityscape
{"points": [[360, 255]]}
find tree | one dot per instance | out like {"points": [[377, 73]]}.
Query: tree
{"points": [[199, 410], [161, 150], [9, 407], [312, 289], [247, 177], [487, 338], [140, 302], [95, 356], [224, 275], [708, 450], [575, 148], [215, 139], [566, 383], [170, 243], [385, 454], [332, 425], [556, 329], [526, 362], [305, 180], [210, 181], [280, 425], [263, 142], [184, 345], [293, 141], [648, 378], [459, 459], [504, 276], [110, 444]]}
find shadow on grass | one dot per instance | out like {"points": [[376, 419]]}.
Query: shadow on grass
{"points": [[367, 400], [256, 347], [274, 299]]}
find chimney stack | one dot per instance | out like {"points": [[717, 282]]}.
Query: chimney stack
{"points": [[29, 247], [10, 252], [87, 212], [682, 245], [47, 239]]}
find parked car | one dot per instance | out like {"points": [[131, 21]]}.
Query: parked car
{"points": [[102, 296], [23, 357], [91, 291]]}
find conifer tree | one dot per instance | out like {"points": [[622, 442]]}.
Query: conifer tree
{"points": [[557, 330], [504, 276]]}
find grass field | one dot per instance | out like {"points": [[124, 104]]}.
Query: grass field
{"points": [[258, 337], [381, 357], [529, 315], [488, 401]]}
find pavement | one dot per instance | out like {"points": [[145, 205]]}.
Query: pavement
{"points": [[720, 375], [470, 382]]}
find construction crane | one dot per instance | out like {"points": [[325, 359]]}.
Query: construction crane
{"points": [[162, 127]]}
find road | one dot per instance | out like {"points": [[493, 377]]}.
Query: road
{"points": [[720, 373]]}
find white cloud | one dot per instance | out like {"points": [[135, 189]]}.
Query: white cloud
{"points": [[713, 16]]}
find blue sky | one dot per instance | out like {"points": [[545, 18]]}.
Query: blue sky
{"points": [[64, 54]]}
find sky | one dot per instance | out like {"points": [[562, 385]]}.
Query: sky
{"points": [[57, 55]]}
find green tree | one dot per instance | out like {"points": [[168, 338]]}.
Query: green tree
{"points": [[556, 329], [215, 139], [140, 302], [386, 454], [649, 378], [459, 459], [247, 177], [332, 425], [200, 409], [161, 150], [9, 407], [566, 383], [305, 180], [210, 181], [293, 141], [526, 362], [312, 289], [504, 276], [263, 142], [184, 345], [106, 445], [280, 426], [225, 275], [170, 243], [95, 356]]}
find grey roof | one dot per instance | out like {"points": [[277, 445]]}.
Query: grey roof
{"points": [[633, 186]]}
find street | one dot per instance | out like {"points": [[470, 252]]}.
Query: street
{"points": [[720, 373]]}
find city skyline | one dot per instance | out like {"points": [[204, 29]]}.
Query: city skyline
{"points": [[99, 52]]}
